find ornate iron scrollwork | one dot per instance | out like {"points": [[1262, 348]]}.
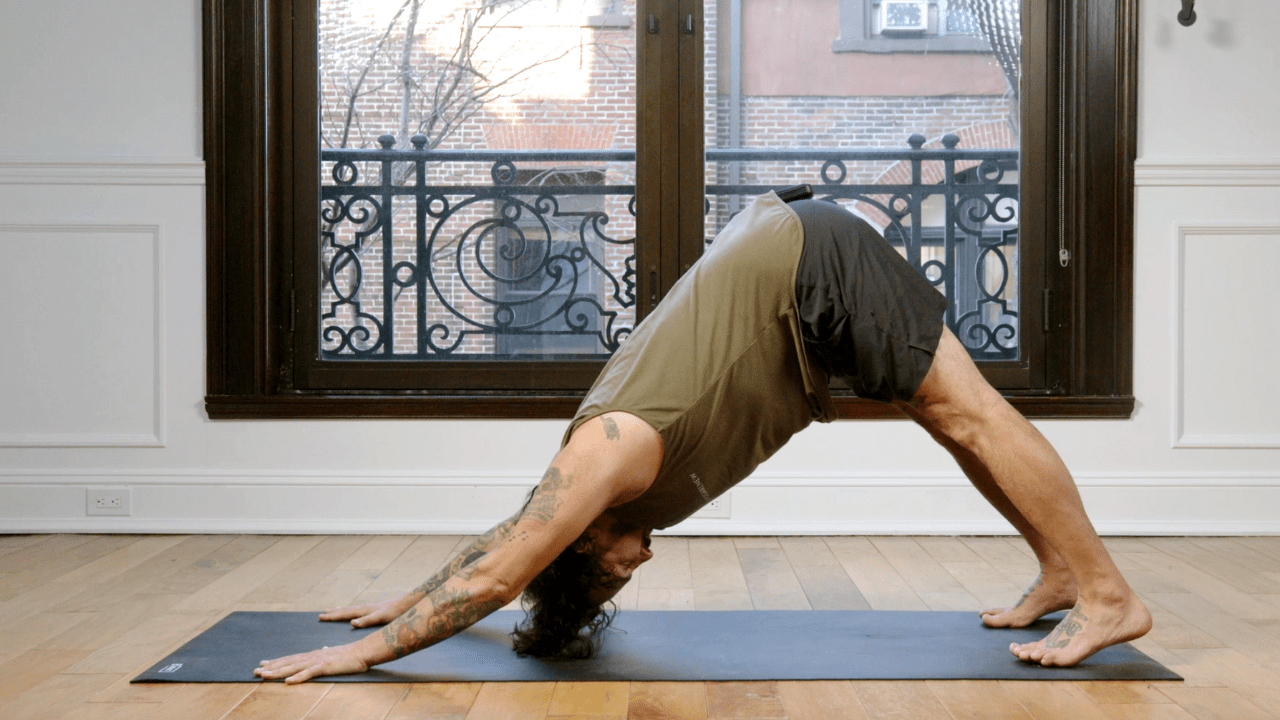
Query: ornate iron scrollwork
{"points": [[524, 264]]}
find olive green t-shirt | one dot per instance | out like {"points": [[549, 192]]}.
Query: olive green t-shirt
{"points": [[719, 368]]}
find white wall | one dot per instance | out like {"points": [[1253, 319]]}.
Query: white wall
{"points": [[101, 342]]}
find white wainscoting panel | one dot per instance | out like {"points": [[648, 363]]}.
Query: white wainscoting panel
{"points": [[203, 501], [1226, 387], [84, 339]]}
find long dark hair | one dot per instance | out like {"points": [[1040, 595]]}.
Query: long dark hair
{"points": [[560, 622]]}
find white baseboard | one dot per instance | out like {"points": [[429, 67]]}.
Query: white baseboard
{"points": [[780, 504]]}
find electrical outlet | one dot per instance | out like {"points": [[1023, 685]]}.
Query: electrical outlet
{"points": [[108, 501], [717, 509]]}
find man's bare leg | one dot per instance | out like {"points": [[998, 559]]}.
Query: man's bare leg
{"points": [[1018, 465], [1054, 588]]}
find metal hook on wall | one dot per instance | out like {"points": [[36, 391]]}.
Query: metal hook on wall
{"points": [[1188, 15]]}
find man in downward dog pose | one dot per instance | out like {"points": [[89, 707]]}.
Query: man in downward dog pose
{"points": [[724, 371]]}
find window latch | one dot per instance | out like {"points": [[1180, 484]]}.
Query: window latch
{"points": [[1188, 15]]}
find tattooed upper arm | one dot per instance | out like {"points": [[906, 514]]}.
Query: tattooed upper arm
{"points": [[611, 430]]}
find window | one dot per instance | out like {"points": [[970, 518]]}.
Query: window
{"points": [[890, 26], [262, 223]]}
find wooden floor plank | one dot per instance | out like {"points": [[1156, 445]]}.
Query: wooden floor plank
{"points": [[144, 576], [989, 587], [758, 699], [721, 583], [277, 701], [900, 699], [948, 549], [113, 623], [512, 701], [916, 566], [1226, 667], [1244, 579], [771, 581], [805, 551], [19, 637], [828, 587], [299, 576], [821, 700], [56, 697], [1220, 624], [1212, 589], [48, 561], [26, 671], [1046, 700], [669, 569], [667, 701], [358, 701], [1004, 558], [681, 599], [436, 701], [232, 586], [143, 644], [603, 700], [113, 564], [203, 701], [1239, 550], [974, 700], [43, 549], [227, 558], [419, 561], [1215, 704], [874, 576], [1172, 631]]}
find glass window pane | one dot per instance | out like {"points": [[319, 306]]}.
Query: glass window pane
{"points": [[477, 178], [903, 111]]}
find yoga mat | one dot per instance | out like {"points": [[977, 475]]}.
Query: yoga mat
{"points": [[650, 645]]}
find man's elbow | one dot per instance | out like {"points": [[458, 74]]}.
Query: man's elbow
{"points": [[496, 588]]}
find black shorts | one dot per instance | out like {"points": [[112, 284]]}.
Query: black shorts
{"points": [[867, 316]]}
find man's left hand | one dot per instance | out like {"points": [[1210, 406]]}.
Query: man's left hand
{"points": [[293, 669]]}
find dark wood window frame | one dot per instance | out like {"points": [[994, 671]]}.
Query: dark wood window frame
{"points": [[1086, 199]]}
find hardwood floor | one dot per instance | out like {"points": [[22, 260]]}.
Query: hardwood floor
{"points": [[82, 614]]}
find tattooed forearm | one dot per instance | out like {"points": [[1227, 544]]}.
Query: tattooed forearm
{"points": [[474, 552], [546, 500], [611, 431], [451, 613]]}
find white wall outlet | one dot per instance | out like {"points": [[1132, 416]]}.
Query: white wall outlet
{"points": [[108, 501], [717, 509]]}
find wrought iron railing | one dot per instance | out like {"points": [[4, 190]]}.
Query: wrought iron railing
{"points": [[481, 253]]}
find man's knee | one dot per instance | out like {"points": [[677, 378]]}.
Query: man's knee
{"points": [[954, 398]]}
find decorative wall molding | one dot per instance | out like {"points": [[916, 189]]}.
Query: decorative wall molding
{"points": [[1140, 503], [156, 436], [1182, 438], [1158, 172], [526, 480], [111, 171]]}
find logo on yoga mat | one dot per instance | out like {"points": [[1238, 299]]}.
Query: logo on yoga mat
{"points": [[171, 668]]}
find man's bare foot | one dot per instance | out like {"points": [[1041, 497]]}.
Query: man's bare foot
{"points": [[1088, 628], [1049, 594]]}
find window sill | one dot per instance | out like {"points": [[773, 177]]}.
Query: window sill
{"points": [[544, 405], [933, 44]]}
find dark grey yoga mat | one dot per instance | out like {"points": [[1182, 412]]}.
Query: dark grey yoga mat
{"points": [[647, 645]]}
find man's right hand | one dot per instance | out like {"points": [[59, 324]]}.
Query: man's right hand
{"points": [[374, 614]]}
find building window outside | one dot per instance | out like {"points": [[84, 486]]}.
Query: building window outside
{"points": [[908, 26]]}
